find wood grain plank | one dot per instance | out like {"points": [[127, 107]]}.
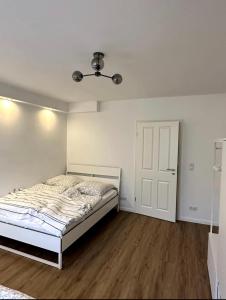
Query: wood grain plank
{"points": [[125, 256]]}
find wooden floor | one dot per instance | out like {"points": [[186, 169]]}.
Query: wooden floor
{"points": [[124, 256]]}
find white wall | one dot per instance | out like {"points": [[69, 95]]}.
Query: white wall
{"points": [[108, 138], [32, 144], [18, 93]]}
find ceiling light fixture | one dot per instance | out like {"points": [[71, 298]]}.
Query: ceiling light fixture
{"points": [[97, 64]]}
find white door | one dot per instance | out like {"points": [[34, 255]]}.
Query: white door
{"points": [[156, 169]]}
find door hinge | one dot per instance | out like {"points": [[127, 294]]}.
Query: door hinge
{"points": [[135, 199]]}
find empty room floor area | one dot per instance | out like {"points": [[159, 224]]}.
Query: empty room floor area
{"points": [[124, 256]]}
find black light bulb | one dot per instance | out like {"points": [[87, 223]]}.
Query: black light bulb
{"points": [[77, 76], [117, 78]]}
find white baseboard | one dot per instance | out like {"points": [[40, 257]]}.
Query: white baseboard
{"points": [[193, 220], [185, 219], [128, 209]]}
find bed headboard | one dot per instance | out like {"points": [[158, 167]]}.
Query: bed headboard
{"points": [[96, 173]]}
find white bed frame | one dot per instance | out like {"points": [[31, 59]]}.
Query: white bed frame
{"points": [[60, 244]]}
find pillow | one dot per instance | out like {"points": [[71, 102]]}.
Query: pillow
{"points": [[53, 180], [47, 188], [72, 192], [64, 180], [94, 188]]}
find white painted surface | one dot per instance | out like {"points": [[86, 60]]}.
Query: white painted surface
{"points": [[161, 47], [106, 174], [212, 263], [15, 92], [221, 259], [31, 237], [156, 169], [94, 170], [32, 145], [108, 138], [217, 162], [80, 107]]}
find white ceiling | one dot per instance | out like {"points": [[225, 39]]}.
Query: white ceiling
{"points": [[161, 47]]}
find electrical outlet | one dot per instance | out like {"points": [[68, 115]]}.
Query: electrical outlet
{"points": [[193, 208]]}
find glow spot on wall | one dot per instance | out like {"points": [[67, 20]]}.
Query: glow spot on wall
{"points": [[47, 119], [6, 103], [9, 112]]}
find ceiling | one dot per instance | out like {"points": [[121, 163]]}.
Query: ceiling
{"points": [[161, 47]]}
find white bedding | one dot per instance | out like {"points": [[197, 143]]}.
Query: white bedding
{"points": [[6, 293], [104, 199], [49, 212]]}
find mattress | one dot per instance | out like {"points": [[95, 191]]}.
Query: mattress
{"points": [[36, 227]]}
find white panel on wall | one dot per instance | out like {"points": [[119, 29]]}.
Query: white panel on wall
{"points": [[148, 148], [163, 195], [172, 161], [84, 107], [164, 140], [146, 192]]}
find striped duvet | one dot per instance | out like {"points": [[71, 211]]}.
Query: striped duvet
{"points": [[46, 208]]}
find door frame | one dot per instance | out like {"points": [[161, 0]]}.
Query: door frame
{"points": [[135, 210]]}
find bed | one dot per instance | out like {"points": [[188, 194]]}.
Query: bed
{"points": [[59, 243]]}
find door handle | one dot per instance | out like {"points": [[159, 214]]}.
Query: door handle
{"points": [[170, 170]]}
